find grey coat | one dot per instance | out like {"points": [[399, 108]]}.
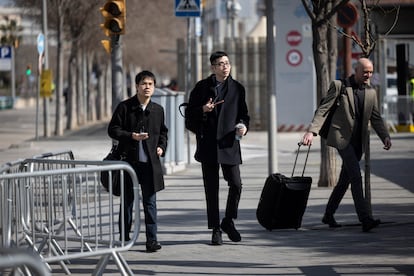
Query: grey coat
{"points": [[343, 120]]}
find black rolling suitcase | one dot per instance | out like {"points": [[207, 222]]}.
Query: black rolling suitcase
{"points": [[283, 200]]}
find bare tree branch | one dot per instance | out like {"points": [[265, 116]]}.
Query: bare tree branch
{"points": [[395, 20], [368, 43]]}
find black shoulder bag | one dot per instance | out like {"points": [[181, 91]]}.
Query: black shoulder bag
{"points": [[113, 155], [323, 132], [190, 122]]}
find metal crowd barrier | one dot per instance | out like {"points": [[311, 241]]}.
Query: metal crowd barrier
{"points": [[58, 161], [398, 110], [20, 165], [10, 167], [61, 211], [15, 262], [57, 155]]}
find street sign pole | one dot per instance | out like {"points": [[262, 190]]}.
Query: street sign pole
{"points": [[45, 66], [188, 80], [13, 75], [188, 9], [272, 132], [117, 70], [40, 51]]}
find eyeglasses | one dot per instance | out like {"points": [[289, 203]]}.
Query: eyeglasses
{"points": [[222, 64]]}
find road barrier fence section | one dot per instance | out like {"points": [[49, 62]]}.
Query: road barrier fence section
{"points": [[60, 210], [398, 111], [16, 261]]}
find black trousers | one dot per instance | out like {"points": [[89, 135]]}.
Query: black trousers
{"points": [[350, 174], [231, 174], [149, 202]]}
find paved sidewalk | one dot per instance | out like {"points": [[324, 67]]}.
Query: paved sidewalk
{"points": [[314, 249]]}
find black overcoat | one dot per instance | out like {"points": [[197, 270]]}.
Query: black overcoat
{"points": [[215, 131], [129, 117]]}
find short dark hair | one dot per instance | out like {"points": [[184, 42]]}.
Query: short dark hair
{"points": [[144, 74], [216, 55]]}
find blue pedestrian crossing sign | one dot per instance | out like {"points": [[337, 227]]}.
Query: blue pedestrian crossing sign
{"points": [[187, 8], [40, 44]]}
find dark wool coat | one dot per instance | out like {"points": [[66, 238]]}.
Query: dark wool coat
{"points": [[215, 131], [129, 117]]}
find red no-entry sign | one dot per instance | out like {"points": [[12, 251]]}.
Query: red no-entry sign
{"points": [[293, 38]]}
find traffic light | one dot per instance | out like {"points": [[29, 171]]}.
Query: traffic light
{"points": [[28, 70], [107, 45], [114, 13]]}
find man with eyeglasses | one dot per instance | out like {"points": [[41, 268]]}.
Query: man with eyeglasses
{"points": [[217, 114]]}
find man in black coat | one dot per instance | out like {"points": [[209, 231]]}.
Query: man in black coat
{"points": [[138, 125], [217, 113]]}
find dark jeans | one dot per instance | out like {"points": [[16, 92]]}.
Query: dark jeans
{"points": [[350, 174], [149, 202], [231, 174]]}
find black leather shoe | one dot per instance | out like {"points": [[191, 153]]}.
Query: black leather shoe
{"points": [[152, 246], [216, 237], [227, 226], [369, 224], [330, 220]]}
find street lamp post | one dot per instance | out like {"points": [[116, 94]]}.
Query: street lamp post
{"points": [[232, 10], [45, 66], [270, 43]]}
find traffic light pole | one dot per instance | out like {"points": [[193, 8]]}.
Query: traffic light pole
{"points": [[271, 83], [114, 13], [117, 70], [46, 66]]}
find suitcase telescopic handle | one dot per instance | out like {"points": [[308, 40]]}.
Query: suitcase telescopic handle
{"points": [[296, 159]]}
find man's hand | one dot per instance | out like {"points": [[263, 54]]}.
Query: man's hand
{"points": [[387, 143], [209, 106], [159, 151], [307, 138], [139, 136], [241, 129]]}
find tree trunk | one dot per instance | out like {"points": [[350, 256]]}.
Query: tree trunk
{"points": [[78, 88], [59, 77], [107, 90], [72, 121], [100, 100], [332, 61], [91, 80], [320, 48]]}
